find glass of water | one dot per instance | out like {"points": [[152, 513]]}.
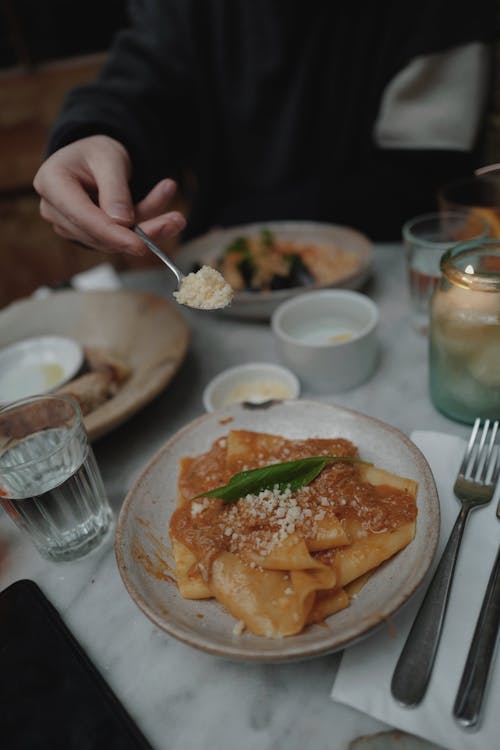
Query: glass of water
{"points": [[50, 483], [426, 239]]}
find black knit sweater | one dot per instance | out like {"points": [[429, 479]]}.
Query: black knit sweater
{"points": [[270, 106]]}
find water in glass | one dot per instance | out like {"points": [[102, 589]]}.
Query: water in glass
{"points": [[57, 495]]}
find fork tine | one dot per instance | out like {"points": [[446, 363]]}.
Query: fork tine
{"points": [[496, 473], [493, 434], [470, 445], [491, 462], [478, 462], [487, 463]]}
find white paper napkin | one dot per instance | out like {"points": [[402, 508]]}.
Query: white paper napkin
{"points": [[101, 277], [365, 673]]}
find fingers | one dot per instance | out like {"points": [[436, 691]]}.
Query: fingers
{"points": [[160, 228], [113, 191], [99, 166], [164, 226], [156, 201], [73, 210], [69, 207], [152, 216], [66, 182], [70, 231]]}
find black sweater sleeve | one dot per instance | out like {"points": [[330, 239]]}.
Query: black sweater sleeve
{"points": [[142, 96]]}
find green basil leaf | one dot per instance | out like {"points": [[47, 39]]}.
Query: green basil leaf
{"points": [[238, 245], [267, 238], [293, 474]]}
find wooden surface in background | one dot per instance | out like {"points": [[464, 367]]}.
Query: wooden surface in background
{"points": [[29, 103], [31, 254]]}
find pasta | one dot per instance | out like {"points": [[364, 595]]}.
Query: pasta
{"points": [[265, 262], [279, 559]]}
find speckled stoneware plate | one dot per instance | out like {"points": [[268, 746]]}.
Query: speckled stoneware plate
{"points": [[146, 564], [260, 305], [146, 331]]}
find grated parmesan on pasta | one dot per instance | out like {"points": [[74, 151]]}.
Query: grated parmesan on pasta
{"points": [[239, 628], [276, 513]]}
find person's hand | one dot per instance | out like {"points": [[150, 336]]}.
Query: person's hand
{"points": [[85, 196]]}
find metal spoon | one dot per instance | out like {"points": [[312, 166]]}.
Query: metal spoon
{"points": [[211, 300], [161, 255]]}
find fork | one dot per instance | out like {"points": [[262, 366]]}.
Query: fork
{"points": [[470, 694], [474, 487]]}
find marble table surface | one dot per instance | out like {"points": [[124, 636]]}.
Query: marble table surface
{"points": [[182, 698]]}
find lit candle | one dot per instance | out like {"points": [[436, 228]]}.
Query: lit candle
{"points": [[465, 333]]}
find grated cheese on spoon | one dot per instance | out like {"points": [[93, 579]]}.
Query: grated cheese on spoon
{"points": [[205, 289]]}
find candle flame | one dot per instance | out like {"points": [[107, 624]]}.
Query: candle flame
{"points": [[469, 268]]}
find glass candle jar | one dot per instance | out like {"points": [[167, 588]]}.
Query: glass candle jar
{"points": [[464, 338]]}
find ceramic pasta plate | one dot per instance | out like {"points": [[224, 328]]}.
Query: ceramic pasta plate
{"points": [[146, 562], [260, 305]]}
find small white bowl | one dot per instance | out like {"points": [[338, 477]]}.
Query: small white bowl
{"points": [[328, 338], [37, 365], [253, 382]]}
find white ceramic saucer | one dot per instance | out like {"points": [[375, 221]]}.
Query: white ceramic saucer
{"points": [[37, 365]]}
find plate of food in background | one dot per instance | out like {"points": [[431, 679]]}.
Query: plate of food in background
{"points": [[269, 262], [280, 533], [133, 343]]}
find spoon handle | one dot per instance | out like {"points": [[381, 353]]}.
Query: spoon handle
{"points": [[160, 254]]}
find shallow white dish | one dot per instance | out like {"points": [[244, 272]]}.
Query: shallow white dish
{"points": [[37, 365], [252, 382], [260, 305], [146, 563], [328, 338], [146, 331]]}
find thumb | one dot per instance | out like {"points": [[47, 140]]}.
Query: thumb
{"points": [[111, 176]]}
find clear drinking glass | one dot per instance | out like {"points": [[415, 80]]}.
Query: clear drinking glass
{"points": [[478, 194], [50, 483], [426, 238], [464, 338]]}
